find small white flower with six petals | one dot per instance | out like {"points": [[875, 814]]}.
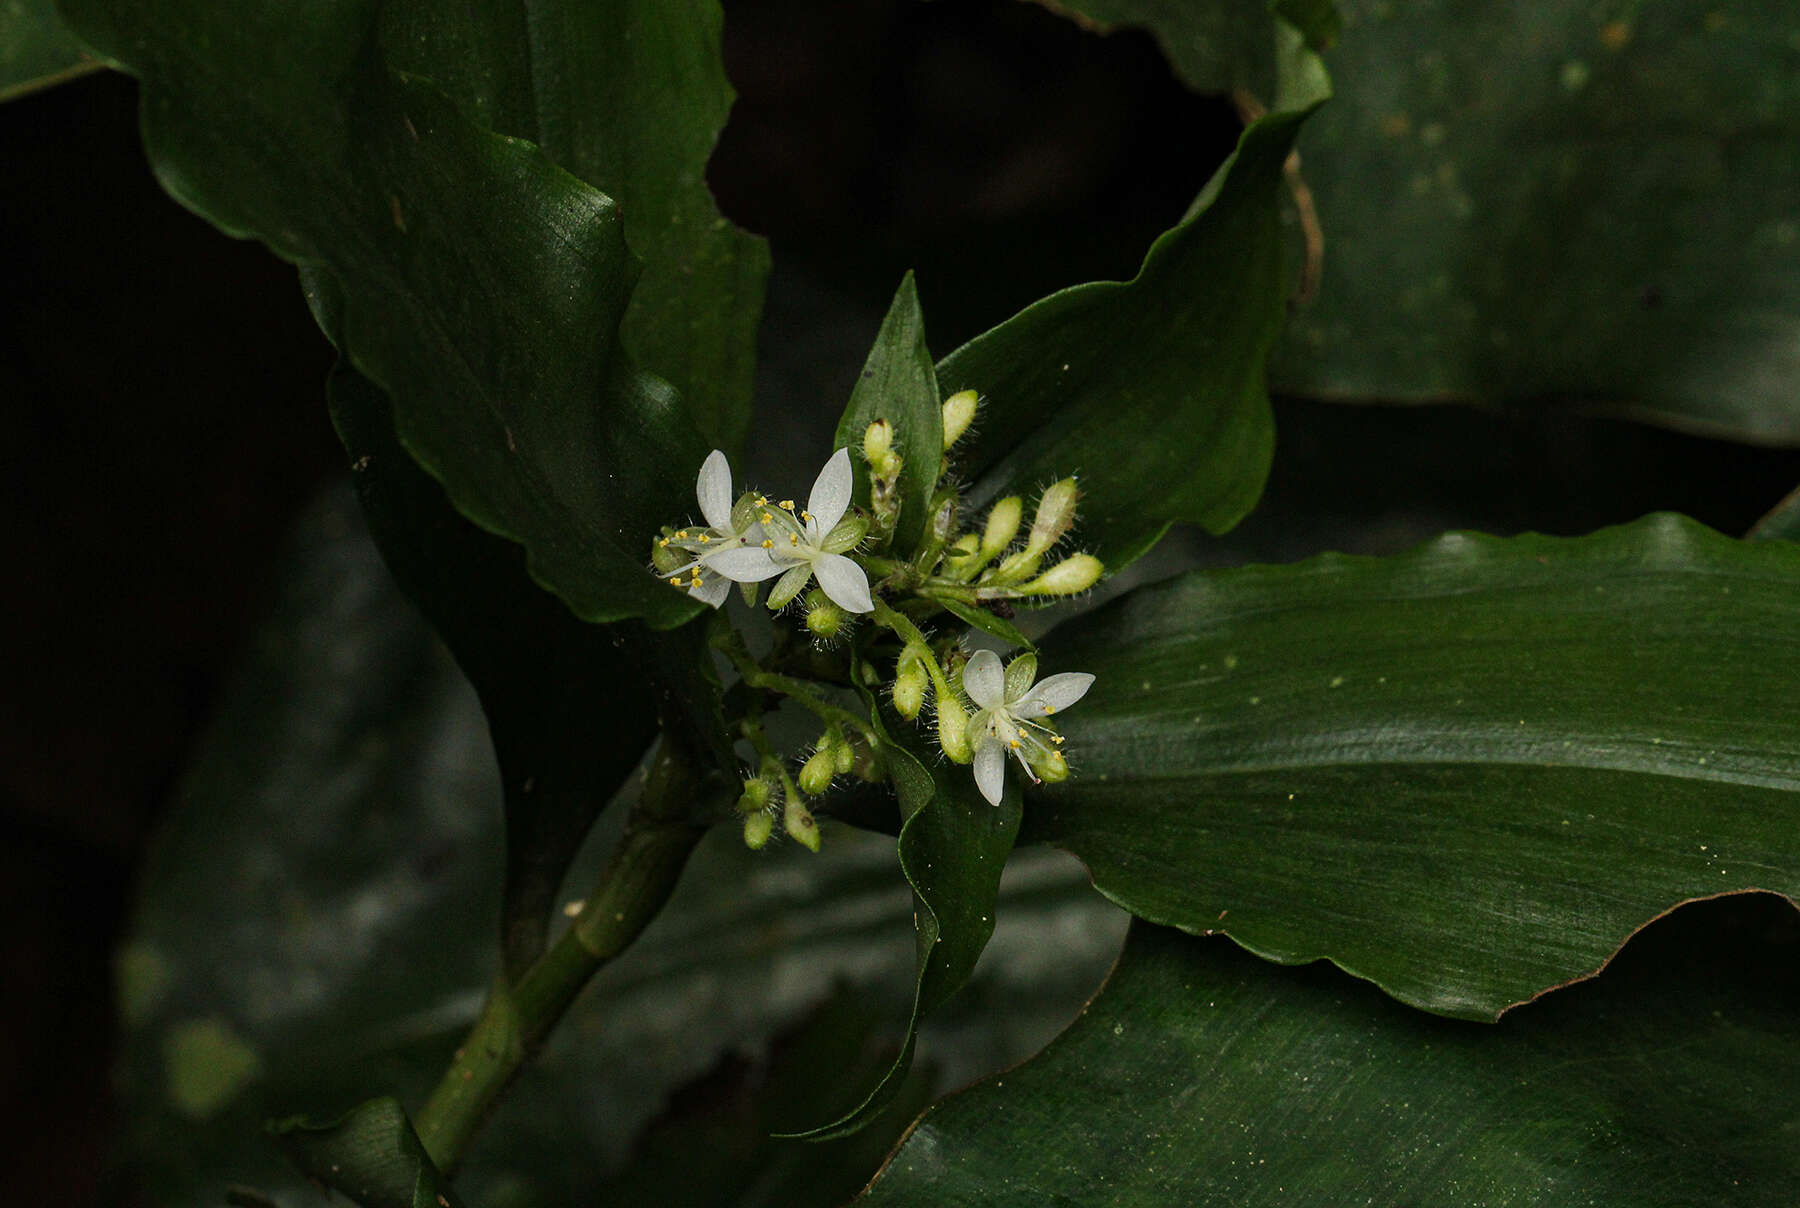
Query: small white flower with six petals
{"points": [[798, 546], [728, 528]]}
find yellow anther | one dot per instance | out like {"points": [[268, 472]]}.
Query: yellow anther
{"points": [[682, 533], [675, 582], [768, 517], [762, 501], [1014, 744], [768, 544], [1057, 739], [1048, 709], [786, 505], [704, 538], [664, 543], [793, 538], [806, 515]]}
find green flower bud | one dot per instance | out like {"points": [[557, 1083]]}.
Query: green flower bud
{"points": [[757, 829], [1055, 516], [757, 792], [953, 730], [1051, 767], [910, 680], [1078, 572], [1002, 526], [959, 413], [798, 821], [823, 618], [817, 771], [843, 757], [878, 441]]}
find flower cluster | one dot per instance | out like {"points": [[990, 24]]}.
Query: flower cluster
{"points": [[984, 711]]}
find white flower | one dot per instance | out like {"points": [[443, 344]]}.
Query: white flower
{"points": [[722, 533], [800, 546], [1008, 709]]}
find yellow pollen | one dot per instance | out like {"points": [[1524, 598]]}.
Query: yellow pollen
{"points": [[793, 538], [1014, 744], [786, 505], [762, 501], [768, 517], [1057, 739], [768, 544], [806, 515], [675, 582], [664, 543], [1048, 709], [704, 538], [681, 534]]}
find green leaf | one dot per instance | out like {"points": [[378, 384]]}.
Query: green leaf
{"points": [[953, 846], [549, 683], [1202, 1076], [371, 1154], [898, 384], [1213, 45], [37, 50], [1561, 205], [481, 286], [630, 97], [314, 925], [1151, 391], [1468, 773], [988, 622], [1780, 522]]}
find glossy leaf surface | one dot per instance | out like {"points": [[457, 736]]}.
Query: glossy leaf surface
{"points": [[481, 286], [1203, 1076], [1151, 392], [36, 49], [1564, 204], [1467, 773]]}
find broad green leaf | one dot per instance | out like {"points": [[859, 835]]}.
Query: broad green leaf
{"points": [[897, 384], [550, 684], [371, 1154], [37, 50], [315, 926], [481, 286], [1201, 1076], [629, 97], [1589, 204], [1150, 391], [1468, 773], [1780, 522], [1214, 45], [953, 846]]}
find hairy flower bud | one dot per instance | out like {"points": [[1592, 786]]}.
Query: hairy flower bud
{"points": [[1055, 516], [823, 618], [843, 757], [798, 821], [953, 730], [1076, 573], [878, 449], [757, 829], [959, 413], [757, 792], [1002, 526], [816, 773], [909, 686]]}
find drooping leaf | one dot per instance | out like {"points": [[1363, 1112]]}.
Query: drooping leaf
{"points": [[37, 50], [481, 286], [1467, 773], [1151, 391], [988, 622], [371, 1154], [897, 384], [315, 926], [1560, 204], [953, 846], [630, 97], [1203, 1076]]}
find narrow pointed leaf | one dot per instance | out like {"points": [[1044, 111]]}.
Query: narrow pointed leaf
{"points": [[1151, 392], [1468, 773], [898, 384], [481, 286], [1201, 1076]]}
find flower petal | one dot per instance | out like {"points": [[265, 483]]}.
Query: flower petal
{"points": [[746, 564], [845, 582], [712, 591], [984, 681], [990, 769], [714, 489], [831, 492], [1054, 694]]}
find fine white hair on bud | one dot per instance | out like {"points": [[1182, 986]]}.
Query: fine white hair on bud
{"points": [[1073, 574], [959, 413]]}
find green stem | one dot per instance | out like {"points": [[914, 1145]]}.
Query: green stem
{"points": [[798, 691], [911, 634], [661, 833]]}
